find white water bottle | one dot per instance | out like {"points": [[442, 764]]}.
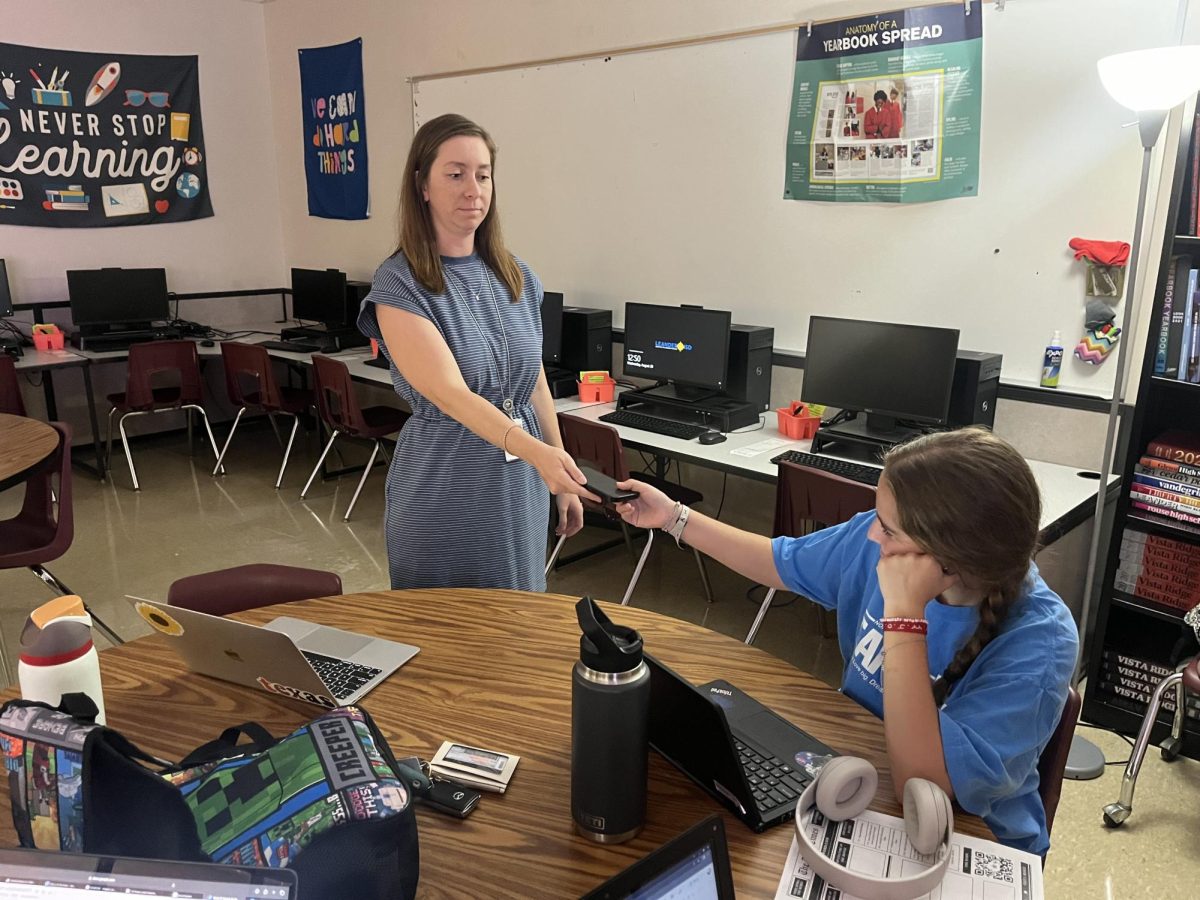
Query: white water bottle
{"points": [[58, 656]]}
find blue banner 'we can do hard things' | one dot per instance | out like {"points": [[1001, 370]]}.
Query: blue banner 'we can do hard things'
{"points": [[335, 131]]}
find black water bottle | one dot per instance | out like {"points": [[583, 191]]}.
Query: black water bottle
{"points": [[610, 700]]}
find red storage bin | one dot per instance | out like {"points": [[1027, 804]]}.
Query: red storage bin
{"points": [[797, 422]]}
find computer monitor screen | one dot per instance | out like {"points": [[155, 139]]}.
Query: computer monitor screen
{"points": [[6, 307], [117, 296], [319, 295], [685, 345], [552, 316], [882, 368]]}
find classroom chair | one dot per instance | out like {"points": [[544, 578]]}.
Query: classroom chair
{"points": [[599, 445], [10, 388], [157, 362], [1186, 678], [337, 405], [250, 383], [1053, 761], [45, 526], [227, 591], [807, 499]]}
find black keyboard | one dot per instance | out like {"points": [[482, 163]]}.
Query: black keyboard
{"points": [[292, 346], [643, 422], [123, 340], [341, 676], [843, 468], [773, 783]]}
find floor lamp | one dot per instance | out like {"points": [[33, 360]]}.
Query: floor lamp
{"points": [[1151, 83]]}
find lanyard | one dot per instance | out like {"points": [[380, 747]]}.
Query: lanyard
{"points": [[505, 375]]}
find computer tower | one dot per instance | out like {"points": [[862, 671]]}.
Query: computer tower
{"points": [[975, 389], [586, 339], [750, 349]]}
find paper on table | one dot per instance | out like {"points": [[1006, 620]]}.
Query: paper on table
{"points": [[759, 447], [874, 843]]}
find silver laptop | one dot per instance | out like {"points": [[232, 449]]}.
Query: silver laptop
{"points": [[56, 876], [287, 656]]}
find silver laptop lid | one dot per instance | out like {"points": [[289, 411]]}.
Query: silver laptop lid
{"points": [[58, 876]]}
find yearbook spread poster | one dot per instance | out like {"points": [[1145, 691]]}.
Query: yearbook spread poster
{"points": [[886, 107], [96, 139]]}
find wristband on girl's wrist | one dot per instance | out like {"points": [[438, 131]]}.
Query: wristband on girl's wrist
{"points": [[903, 623]]}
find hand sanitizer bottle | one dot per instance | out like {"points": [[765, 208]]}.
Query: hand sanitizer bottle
{"points": [[1052, 361]]}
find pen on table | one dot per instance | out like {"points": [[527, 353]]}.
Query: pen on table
{"points": [[38, 79]]}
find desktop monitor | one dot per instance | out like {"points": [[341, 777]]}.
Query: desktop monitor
{"points": [[6, 307], [552, 322], [887, 370], [319, 295], [118, 296], [685, 345]]}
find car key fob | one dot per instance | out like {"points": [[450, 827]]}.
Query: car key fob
{"points": [[452, 798]]}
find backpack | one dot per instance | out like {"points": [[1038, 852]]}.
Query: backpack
{"points": [[326, 800]]}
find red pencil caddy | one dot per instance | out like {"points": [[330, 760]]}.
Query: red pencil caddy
{"points": [[47, 337], [596, 391], [797, 422]]}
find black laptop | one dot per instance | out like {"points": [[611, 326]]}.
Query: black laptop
{"points": [[750, 758], [694, 865]]}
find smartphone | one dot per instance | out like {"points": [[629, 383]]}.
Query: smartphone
{"points": [[604, 487]]}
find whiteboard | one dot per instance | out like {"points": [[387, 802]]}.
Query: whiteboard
{"points": [[659, 176]]}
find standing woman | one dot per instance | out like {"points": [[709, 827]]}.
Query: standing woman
{"points": [[459, 320], [947, 631]]}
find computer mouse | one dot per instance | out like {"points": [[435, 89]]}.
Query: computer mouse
{"points": [[208, 343], [711, 437]]}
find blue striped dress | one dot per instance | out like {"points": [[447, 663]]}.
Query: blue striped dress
{"points": [[457, 514]]}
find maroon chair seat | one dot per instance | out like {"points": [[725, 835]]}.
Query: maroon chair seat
{"points": [[249, 587], [250, 383], [599, 445], [807, 499], [148, 362], [44, 528], [10, 388], [337, 405]]}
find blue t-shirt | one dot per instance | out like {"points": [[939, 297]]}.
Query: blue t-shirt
{"points": [[998, 717]]}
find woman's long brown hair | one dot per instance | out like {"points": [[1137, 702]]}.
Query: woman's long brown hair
{"points": [[970, 500], [418, 239]]}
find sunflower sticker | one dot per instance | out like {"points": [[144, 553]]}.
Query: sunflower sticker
{"points": [[158, 620]]}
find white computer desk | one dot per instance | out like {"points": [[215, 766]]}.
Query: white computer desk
{"points": [[1068, 493]]}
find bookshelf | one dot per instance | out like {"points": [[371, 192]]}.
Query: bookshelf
{"points": [[1139, 638]]}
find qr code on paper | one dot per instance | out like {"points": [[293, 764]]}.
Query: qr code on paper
{"points": [[991, 866]]}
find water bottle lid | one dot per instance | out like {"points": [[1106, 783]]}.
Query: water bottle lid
{"points": [[57, 643], [605, 647]]}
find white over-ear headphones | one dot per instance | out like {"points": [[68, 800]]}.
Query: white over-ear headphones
{"points": [[842, 790]]}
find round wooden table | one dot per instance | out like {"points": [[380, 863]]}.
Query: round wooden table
{"points": [[25, 444], [495, 671]]}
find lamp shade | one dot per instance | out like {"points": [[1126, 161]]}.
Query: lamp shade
{"points": [[1157, 79]]}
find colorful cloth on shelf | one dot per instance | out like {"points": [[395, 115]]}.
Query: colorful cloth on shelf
{"points": [[1102, 253]]}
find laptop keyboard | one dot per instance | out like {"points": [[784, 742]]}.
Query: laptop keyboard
{"points": [[772, 781], [341, 676]]}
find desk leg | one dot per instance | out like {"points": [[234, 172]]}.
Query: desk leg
{"points": [[101, 462], [48, 392]]}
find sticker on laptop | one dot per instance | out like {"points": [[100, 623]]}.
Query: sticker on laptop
{"points": [[162, 622], [812, 763], [295, 693]]}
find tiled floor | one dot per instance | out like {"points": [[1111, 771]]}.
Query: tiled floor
{"points": [[184, 521]]}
